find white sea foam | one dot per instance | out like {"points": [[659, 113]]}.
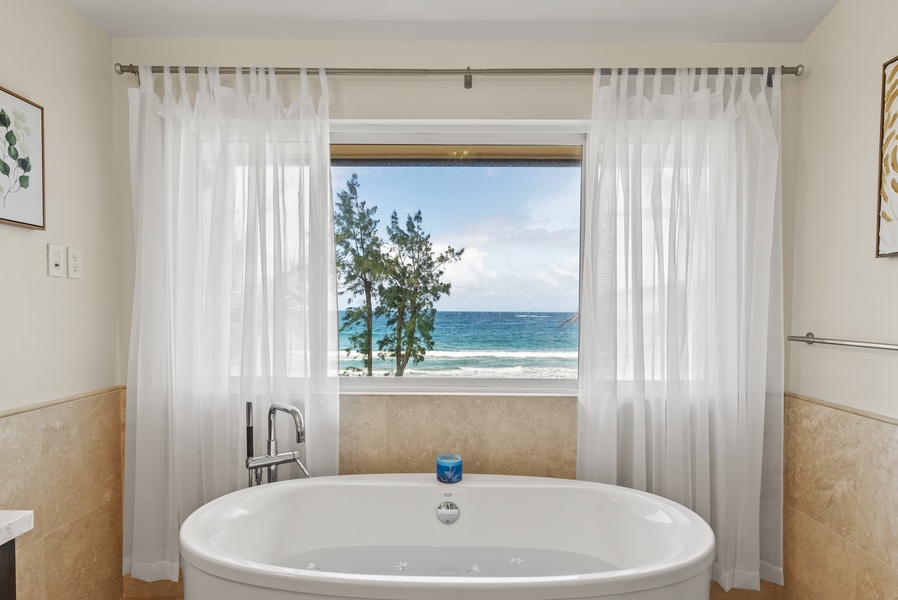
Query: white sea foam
{"points": [[498, 372], [516, 354]]}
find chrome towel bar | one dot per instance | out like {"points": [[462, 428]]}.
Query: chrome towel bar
{"points": [[810, 338]]}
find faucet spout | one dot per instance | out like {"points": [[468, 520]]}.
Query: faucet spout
{"points": [[272, 435], [297, 420]]}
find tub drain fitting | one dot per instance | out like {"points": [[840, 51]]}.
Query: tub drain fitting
{"points": [[447, 512]]}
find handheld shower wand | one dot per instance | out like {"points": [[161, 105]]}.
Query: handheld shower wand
{"points": [[250, 443]]}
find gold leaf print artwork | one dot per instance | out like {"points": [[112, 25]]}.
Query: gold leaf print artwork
{"points": [[888, 177]]}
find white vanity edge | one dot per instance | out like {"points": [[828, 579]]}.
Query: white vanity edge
{"points": [[14, 523]]}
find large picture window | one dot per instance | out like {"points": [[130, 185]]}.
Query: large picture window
{"points": [[458, 261]]}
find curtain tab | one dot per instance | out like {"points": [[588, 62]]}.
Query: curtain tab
{"points": [[322, 78], [746, 81], [166, 80], [734, 81], [182, 77], [774, 78], [693, 76], [303, 81], [146, 78], [596, 86], [203, 76], [238, 82], [253, 83], [272, 83]]}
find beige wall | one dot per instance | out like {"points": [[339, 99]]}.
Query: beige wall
{"points": [[58, 336], [840, 289]]}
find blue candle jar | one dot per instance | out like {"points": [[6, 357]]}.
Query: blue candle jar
{"points": [[449, 468]]}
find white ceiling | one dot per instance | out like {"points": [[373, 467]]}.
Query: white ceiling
{"points": [[529, 20]]}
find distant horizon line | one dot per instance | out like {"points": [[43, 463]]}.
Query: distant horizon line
{"points": [[554, 312]]}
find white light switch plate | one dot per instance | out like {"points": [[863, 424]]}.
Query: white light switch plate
{"points": [[55, 258], [74, 262]]}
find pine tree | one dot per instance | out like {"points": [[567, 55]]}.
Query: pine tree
{"points": [[412, 283], [359, 265]]}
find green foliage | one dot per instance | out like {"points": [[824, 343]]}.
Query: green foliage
{"points": [[360, 266], [412, 284], [13, 147], [399, 281]]}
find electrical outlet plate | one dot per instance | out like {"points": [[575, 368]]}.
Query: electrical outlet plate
{"points": [[74, 262], [55, 258]]}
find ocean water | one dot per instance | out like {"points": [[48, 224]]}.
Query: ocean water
{"points": [[487, 344]]}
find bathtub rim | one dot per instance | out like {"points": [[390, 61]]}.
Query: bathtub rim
{"points": [[202, 555]]}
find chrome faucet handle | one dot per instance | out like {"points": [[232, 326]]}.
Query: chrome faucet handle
{"points": [[301, 466]]}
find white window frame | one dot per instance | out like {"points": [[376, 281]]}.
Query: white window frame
{"points": [[464, 132]]}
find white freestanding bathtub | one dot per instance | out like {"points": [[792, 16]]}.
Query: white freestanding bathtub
{"points": [[379, 536]]}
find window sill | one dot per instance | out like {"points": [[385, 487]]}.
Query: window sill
{"points": [[451, 386]]}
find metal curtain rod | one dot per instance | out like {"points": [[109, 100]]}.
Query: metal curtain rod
{"points": [[467, 73], [811, 339]]}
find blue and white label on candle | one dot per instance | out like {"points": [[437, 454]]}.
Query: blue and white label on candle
{"points": [[449, 468]]}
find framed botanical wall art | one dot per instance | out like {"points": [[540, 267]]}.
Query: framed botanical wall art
{"points": [[21, 161], [887, 219]]}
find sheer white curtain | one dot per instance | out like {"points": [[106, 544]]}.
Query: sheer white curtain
{"points": [[235, 293], [681, 373]]}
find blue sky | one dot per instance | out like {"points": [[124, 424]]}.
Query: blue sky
{"points": [[519, 227]]}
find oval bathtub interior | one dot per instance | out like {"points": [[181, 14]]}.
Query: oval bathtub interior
{"points": [[384, 529]]}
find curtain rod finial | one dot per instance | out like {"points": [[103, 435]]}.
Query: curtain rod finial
{"points": [[121, 69]]}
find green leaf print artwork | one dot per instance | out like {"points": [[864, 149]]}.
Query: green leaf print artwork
{"points": [[13, 151]]}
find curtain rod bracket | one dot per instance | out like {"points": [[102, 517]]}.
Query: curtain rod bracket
{"points": [[469, 79]]}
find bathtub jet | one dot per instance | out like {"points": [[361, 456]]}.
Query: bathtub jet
{"points": [[513, 538]]}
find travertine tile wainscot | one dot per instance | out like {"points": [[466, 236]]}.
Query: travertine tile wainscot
{"points": [[62, 460]]}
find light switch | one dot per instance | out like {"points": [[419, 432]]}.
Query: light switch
{"points": [[55, 259]]}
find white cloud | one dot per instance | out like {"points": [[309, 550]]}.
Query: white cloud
{"points": [[525, 284], [470, 273]]}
